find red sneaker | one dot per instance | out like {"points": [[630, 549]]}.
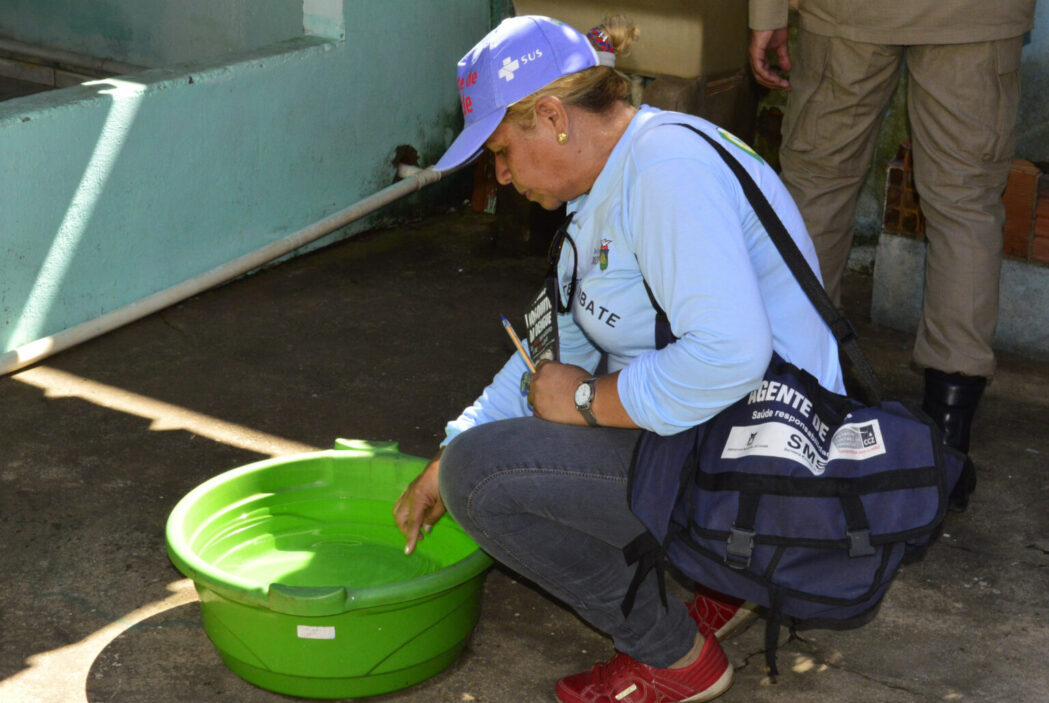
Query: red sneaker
{"points": [[626, 680], [718, 614]]}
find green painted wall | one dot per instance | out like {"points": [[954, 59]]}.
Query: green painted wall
{"points": [[123, 187], [153, 33]]}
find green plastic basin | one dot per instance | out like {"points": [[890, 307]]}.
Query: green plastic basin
{"points": [[304, 585]]}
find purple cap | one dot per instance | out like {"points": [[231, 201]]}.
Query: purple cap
{"points": [[517, 58]]}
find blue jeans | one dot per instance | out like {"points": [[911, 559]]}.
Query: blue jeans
{"points": [[550, 502]]}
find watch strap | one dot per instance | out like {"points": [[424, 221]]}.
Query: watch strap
{"points": [[585, 410]]}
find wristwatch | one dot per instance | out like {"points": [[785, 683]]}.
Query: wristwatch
{"points": [[584, 396]]}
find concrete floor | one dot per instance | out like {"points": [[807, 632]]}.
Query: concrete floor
{"points": [[384, 337]]}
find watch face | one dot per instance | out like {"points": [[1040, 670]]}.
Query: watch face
{"points": [[583, 393]]}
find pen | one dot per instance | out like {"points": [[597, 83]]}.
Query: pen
{"points": [[517, 343]]}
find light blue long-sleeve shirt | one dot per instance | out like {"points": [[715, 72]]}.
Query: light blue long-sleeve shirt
{"points": [[667, 210]]}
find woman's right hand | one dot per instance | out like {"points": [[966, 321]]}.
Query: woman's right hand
{"points": [[420, 505]]}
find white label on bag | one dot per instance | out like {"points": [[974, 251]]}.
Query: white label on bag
{"points": [[854, 441], [777, 440], [314, 632], [857, 441]]}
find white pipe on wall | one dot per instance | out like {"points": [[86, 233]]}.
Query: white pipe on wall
{"points": [[35, 351], [68, 59]]}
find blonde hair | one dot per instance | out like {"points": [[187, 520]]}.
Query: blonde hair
{"points": [[593, 89]]}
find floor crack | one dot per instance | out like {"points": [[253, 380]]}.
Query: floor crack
{"points": [[810, 649]]}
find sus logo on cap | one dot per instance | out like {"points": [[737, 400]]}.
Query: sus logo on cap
{"points": [[507, 71]]}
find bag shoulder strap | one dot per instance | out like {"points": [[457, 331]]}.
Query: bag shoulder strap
{"points": [[840, 327]]}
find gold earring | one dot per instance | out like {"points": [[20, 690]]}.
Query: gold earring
{"points": [[562, 138]]}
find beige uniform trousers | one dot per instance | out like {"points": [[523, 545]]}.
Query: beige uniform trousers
{"points": [[962, 103]]}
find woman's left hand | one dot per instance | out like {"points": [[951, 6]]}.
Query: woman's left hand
{"points": [[552, 392]]}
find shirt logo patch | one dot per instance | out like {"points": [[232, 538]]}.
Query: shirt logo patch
{"points": [[602, 254], [736, 141]]}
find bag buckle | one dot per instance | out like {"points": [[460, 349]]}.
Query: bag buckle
{"points": [[739, 547], [860, 543]]}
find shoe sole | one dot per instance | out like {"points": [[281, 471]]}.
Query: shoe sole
{"points": [[723, 684], [747, 612], [711, 692]]}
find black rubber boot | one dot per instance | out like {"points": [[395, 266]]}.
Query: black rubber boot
{"points": [[950, 400]]}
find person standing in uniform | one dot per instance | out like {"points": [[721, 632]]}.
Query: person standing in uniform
{"points": [[963, 60]]}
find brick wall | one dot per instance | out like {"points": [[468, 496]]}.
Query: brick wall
{"points": [[1040, 235], [1025, 235]]}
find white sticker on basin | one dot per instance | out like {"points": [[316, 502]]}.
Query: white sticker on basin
{"points": [[313, 632]]}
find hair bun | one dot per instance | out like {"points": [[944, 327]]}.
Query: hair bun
{"points": [[615, 34]]}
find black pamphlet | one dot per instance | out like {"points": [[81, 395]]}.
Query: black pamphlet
{"points": [[541, 323]]}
